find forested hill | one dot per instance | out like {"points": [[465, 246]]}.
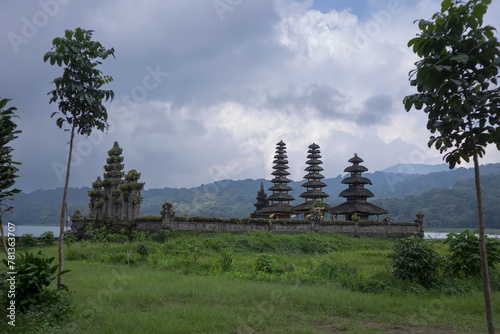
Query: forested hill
{"points": [[447, 198]]}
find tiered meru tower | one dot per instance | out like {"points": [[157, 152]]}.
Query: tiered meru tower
{"points": [[314, 194], [279, 206], [356, 194], [115, 197]]}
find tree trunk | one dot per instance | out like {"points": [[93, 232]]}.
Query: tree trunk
{"points": [[482, 243], [3, 236], [63, 210]]}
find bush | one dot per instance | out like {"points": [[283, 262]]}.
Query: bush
{"points": [[414, 258], [264, 263], [28, 240], [47, 238], [34, 274], [69, 238], [464, 255], [161, 236], [227, 260], [114, 237], [142, 250]]}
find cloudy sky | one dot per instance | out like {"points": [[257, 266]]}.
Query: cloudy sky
{"points": [[205, 89]]}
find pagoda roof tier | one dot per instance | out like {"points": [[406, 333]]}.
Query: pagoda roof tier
{"points": [[355, 159], [281, 156], [279, 166], [316, 176], [357, 207], [276, 208], [280, 161], [280, 179], [356, 180], [314, 156], [356, 192], [280, 197], [308, 206], [280, 187], [314, 162], [314, 194], [314, 146], [314, 168], [314, 184], [356, 169], [280, 173]]}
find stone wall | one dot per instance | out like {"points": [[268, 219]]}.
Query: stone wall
{"points": [[167, 221]]}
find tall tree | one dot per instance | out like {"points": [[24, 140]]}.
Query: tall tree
{"points": [[8, 167], [457, 86], [79, 94]]}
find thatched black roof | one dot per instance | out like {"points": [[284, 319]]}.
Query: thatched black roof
{"points": [[280, 179], [356, 180], [356, 192], [306, 207], [356, 169], [315, 194], [313, 176], [314, 162], [355, 159], [349, 208], [314, 168], [280, 197], [280, 187], [314, 184], [276, 208]]}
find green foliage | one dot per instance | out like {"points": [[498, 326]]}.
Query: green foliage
{"points": [[79, 89], [414, 259], [47, 238], [34, 275], [8, 167], [98, 234], [226, 260], [265, 263], [116, 237], [142, 250], [69, 238], [161, 236], [463, 257], [28, 240], [457, 78]]}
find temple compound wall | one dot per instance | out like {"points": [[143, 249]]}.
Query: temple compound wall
{"points": [[168, 222]]}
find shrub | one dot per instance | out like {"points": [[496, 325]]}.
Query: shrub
{"points": [[28, 240], [142, 250], [47, 238], [464, 258], [34, 274], [414, 258], [69, 238], [161, 236], [114, 237], [227, 260], [264, 263]]}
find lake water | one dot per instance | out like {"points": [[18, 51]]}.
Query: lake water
{"points": [[38, 230], [35, 230]]}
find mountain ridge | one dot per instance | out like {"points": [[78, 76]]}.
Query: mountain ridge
{"points": [[235, 198]]}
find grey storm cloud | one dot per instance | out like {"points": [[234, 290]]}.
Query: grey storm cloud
{"points": [[326, 100], [376, 110], [194, 81]]}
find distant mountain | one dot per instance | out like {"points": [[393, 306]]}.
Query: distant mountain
{"points": [[230, 198], [416, 168]]}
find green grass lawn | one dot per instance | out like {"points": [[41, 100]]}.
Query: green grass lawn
{"points": [[184, 290]]}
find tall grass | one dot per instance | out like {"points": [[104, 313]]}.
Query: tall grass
{"points": [[317, 284]]}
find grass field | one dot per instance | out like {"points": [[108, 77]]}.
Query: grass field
{"points": [[183, 290]]}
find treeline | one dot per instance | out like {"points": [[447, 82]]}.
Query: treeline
{"points": [[446, 198], [454, 207]]}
